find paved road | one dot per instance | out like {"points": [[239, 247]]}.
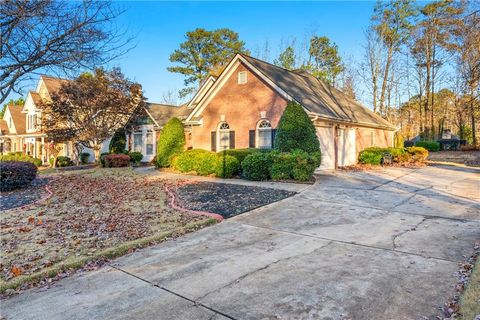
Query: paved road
{"points": [[370, 245]]}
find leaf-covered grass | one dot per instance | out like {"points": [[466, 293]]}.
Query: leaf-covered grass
{"points": [[92, 214], [470, 300]]}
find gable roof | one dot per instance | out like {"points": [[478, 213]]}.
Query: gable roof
{"points": [[53, 84], [18, 118], [161, 113], [317, 96]]}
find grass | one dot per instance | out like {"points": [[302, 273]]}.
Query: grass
{"points": [[92, 214], [470, 299]]}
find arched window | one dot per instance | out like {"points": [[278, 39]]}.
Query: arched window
{"points": [[264, 134], [223, 135]]}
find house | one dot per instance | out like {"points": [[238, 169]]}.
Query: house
{"points": [[143, 131], [23, 124], [242, 108]]}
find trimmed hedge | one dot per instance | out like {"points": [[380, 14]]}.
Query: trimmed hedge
{"points": [[296, 131], [61, 161], [429, 145], [118, 144], [84, 157], [16, 174], [296, 165], [419, 154], [374, 155], [227, 166], [117, 160], [200, 161], [102, 158], [18, 156], [171, 142], [135, 156], [241, 154], [256, 166]]}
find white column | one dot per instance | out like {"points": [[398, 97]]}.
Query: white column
{"points": [[43, 149]]}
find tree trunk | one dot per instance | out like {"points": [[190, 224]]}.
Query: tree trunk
{"points": [[432, 117], [385, 79], [472, 115], [96, 152]]}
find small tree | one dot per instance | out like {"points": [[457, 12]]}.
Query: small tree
{"points": [[171, 142], [296, 131], [93, 107], [118, 144]]}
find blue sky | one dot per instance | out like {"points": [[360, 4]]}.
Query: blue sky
{"points": [[161, 26]]}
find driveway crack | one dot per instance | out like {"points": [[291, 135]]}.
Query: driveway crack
{"points": [[414, 228], [237, 280]]}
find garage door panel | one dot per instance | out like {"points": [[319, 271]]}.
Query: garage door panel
{"points": [[327, 147]]}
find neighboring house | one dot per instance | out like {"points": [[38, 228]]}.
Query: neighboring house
{"points": [[24, 123], [242, 108], [12, 128], [144, 130]]}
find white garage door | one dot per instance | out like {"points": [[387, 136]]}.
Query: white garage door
{"points": [[327, 147], [346, 147]]}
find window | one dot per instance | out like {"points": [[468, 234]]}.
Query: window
{"points": [[264, 135], [149, 142], [242, 77], [31, 121], [10, 122], [223, 136], [137, 141], [372, 138]]}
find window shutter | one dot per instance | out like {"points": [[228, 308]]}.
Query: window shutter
{"points": [[214, 141], [251, 138], [274, 133], [232, 139]]}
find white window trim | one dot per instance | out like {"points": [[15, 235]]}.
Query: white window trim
{"points": [[219, 148], [257, 135], [242, 77]]}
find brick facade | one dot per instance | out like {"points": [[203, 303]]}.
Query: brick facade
{"points": [[241, 105]]}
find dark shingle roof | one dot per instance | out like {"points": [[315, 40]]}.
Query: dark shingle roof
{"points": [[164, 112], [319, 97]]}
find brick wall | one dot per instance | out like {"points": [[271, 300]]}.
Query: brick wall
{"points": [[241, 105], [381, 138]]}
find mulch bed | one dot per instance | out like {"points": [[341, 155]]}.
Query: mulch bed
{"points": [[228, 200], [21, 197]]}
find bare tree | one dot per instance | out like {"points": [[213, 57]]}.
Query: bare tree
{"points": [[55, 37], [91, 108]]}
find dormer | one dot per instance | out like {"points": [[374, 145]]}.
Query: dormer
{"points": [[32, 112]]}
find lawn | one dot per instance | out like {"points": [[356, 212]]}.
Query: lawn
{"points": [[92, 214], [470, 300]]}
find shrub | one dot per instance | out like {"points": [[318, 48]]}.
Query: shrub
{"points": [[419, 154], [296, 131], [240, 154], [374, 155], [256, 166], [297, 165], [429, 145], [136, 156], [102, 158], [16, 174], [202, 162], [403, 158], [84, 157], [18, 156], [399, 141], [118, 143], [117, 160], [64, 161], [227, 166], [171, 142]]}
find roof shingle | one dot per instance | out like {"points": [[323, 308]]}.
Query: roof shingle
{"points": [[319, 97]]}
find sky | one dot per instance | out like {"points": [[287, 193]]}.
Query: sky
{"points": [[159, 28]]}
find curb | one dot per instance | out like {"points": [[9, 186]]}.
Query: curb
{"points": [[174, 205]]}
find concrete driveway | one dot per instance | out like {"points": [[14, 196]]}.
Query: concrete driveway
{"points": [[371, 245]]}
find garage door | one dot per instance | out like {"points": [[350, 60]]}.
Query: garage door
{"points": [[346, 147], [327, 147]]}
